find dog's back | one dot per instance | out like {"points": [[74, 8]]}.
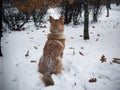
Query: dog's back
{"points": [[51, 56]]}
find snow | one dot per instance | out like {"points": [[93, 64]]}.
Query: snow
{"points": [[17, 72]]}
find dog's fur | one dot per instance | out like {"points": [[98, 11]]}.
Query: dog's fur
{"points": [[51, 61]]}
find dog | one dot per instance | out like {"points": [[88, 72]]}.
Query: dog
{"points": [[51, 60]]}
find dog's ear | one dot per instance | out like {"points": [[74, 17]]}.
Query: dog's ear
{"points": [[51, 19], [62, 19]]}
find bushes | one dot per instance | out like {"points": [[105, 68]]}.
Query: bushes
{"points": [[15, 20], [38, 17]]}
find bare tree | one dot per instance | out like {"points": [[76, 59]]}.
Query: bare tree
{"points": [[77, 10], [117, 2], [72, 10], [96, 4], [86, 20], [1, 8], [68, 11], [108, 7]]}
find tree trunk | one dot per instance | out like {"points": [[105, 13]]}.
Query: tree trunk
{"points": [[86, 20], [107, 12], [1, 8], [96, 10], [117, 2], [68, 12], [108, 7]]}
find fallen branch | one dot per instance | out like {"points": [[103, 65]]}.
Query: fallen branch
{"points": [[116, 58], [116, 61]]}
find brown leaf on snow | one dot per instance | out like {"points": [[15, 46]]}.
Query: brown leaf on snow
{"points": [[92, 80], [33, 61], [103, 59], [81, 53]]}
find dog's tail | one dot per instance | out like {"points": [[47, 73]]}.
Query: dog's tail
{"points": [[47, 79]]}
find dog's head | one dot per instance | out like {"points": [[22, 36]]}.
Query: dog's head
{"points": [[56, 25]]}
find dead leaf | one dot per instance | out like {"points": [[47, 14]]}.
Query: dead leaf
{"points": [[96, 40], [31, 37], [72, 37], [98, 35], [74, 74], [81, 53], [81, 35], [35, 47], [73, 51], [27, 54], [23, 28], [17, 65], [103, 59], [33, 61], [75, 83], [111, 63], [92, 80], [71, 48], [28, 33], [93, 26], [82, 47]]}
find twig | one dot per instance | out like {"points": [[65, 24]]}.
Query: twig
{"points": [[116, 58], [27, 54]]}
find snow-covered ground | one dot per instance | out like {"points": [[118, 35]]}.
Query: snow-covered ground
{"points": [[18, 72]]}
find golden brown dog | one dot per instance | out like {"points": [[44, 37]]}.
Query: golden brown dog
{"points": [[51, 61]]}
